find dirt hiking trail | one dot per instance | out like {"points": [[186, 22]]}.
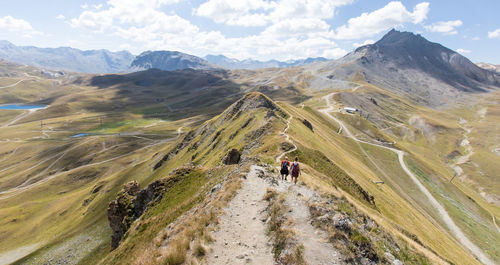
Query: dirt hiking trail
{"points": [[317, 249], [241, 238]]}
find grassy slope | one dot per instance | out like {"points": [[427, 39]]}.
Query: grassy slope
{"points": [[431, 148], [79, 111], [214, 145], [389, 203], [68, 199]]}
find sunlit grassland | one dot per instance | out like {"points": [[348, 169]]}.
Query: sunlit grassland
{"points": [[472, 219], [346, 154]]}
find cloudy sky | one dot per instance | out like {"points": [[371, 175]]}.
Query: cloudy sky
{"points": [[257, 29]]}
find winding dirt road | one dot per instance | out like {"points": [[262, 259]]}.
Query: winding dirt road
{"points": [[464, 240], [23, 187], [13, 85]]}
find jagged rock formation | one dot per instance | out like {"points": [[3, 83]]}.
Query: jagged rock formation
{"points": [[169, 61], [233, 157], [131, 202]]}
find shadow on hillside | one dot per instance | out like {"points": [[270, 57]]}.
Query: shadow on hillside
{"points": [[174, 95]]}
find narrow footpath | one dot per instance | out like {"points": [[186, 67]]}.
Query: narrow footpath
{"points": [[241, 238]]}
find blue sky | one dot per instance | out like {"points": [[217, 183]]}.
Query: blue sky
{"points": [[257, 29]]}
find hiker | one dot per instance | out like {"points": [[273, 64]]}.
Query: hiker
{"points": [[284, 169], [295, 170]]}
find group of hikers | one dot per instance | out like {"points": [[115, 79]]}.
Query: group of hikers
{"points": [[290, 168]]}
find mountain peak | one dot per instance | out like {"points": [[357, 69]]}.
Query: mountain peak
{"points": [[249, 102], [169, 61], [394, 37]]}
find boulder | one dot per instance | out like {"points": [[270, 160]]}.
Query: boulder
{"points": [[286, 146], [233, 157]]}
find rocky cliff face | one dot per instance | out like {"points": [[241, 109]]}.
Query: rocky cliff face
{"points": [[132, 202]]}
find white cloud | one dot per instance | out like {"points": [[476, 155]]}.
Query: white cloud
{"points": [[463, 51], [334, 53], [60, 16], [319, 9], [392, 15], [494, 34], [124, 46], [241, 13], [446, 27], [296, 27], [84, 6], [366, 42], [18, 25], [153, 29], [99, 6], [122, 15], [257, 13]]}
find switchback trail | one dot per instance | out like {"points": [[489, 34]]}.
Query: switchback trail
{"points": [[464, 240], [287, 137], [23, 187]]}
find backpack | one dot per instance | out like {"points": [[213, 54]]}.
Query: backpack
{"points": [[284, 165], [295, 169]]}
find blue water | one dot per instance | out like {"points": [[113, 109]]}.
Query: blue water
{"points": [[80, 135], [21, 107]]}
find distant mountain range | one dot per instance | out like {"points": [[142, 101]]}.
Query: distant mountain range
{"points": [[230, 63], [104, 61], [66, 58]]}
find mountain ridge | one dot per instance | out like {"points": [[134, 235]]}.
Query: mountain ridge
{"points": [[103, 61], [67, 58], [169, 61], [410, 64], [251, 64]]}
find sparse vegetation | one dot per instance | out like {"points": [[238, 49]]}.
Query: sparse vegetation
{"points": [[338, 177], [286, 249]]}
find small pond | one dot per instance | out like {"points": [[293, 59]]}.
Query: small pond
{"points": [[81, 135], [21, 107]]}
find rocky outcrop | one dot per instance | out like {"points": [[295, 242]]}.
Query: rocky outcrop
{"points": [[120, 212], [286, 146], [359, 238], [131, 202], [233, 157]]}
